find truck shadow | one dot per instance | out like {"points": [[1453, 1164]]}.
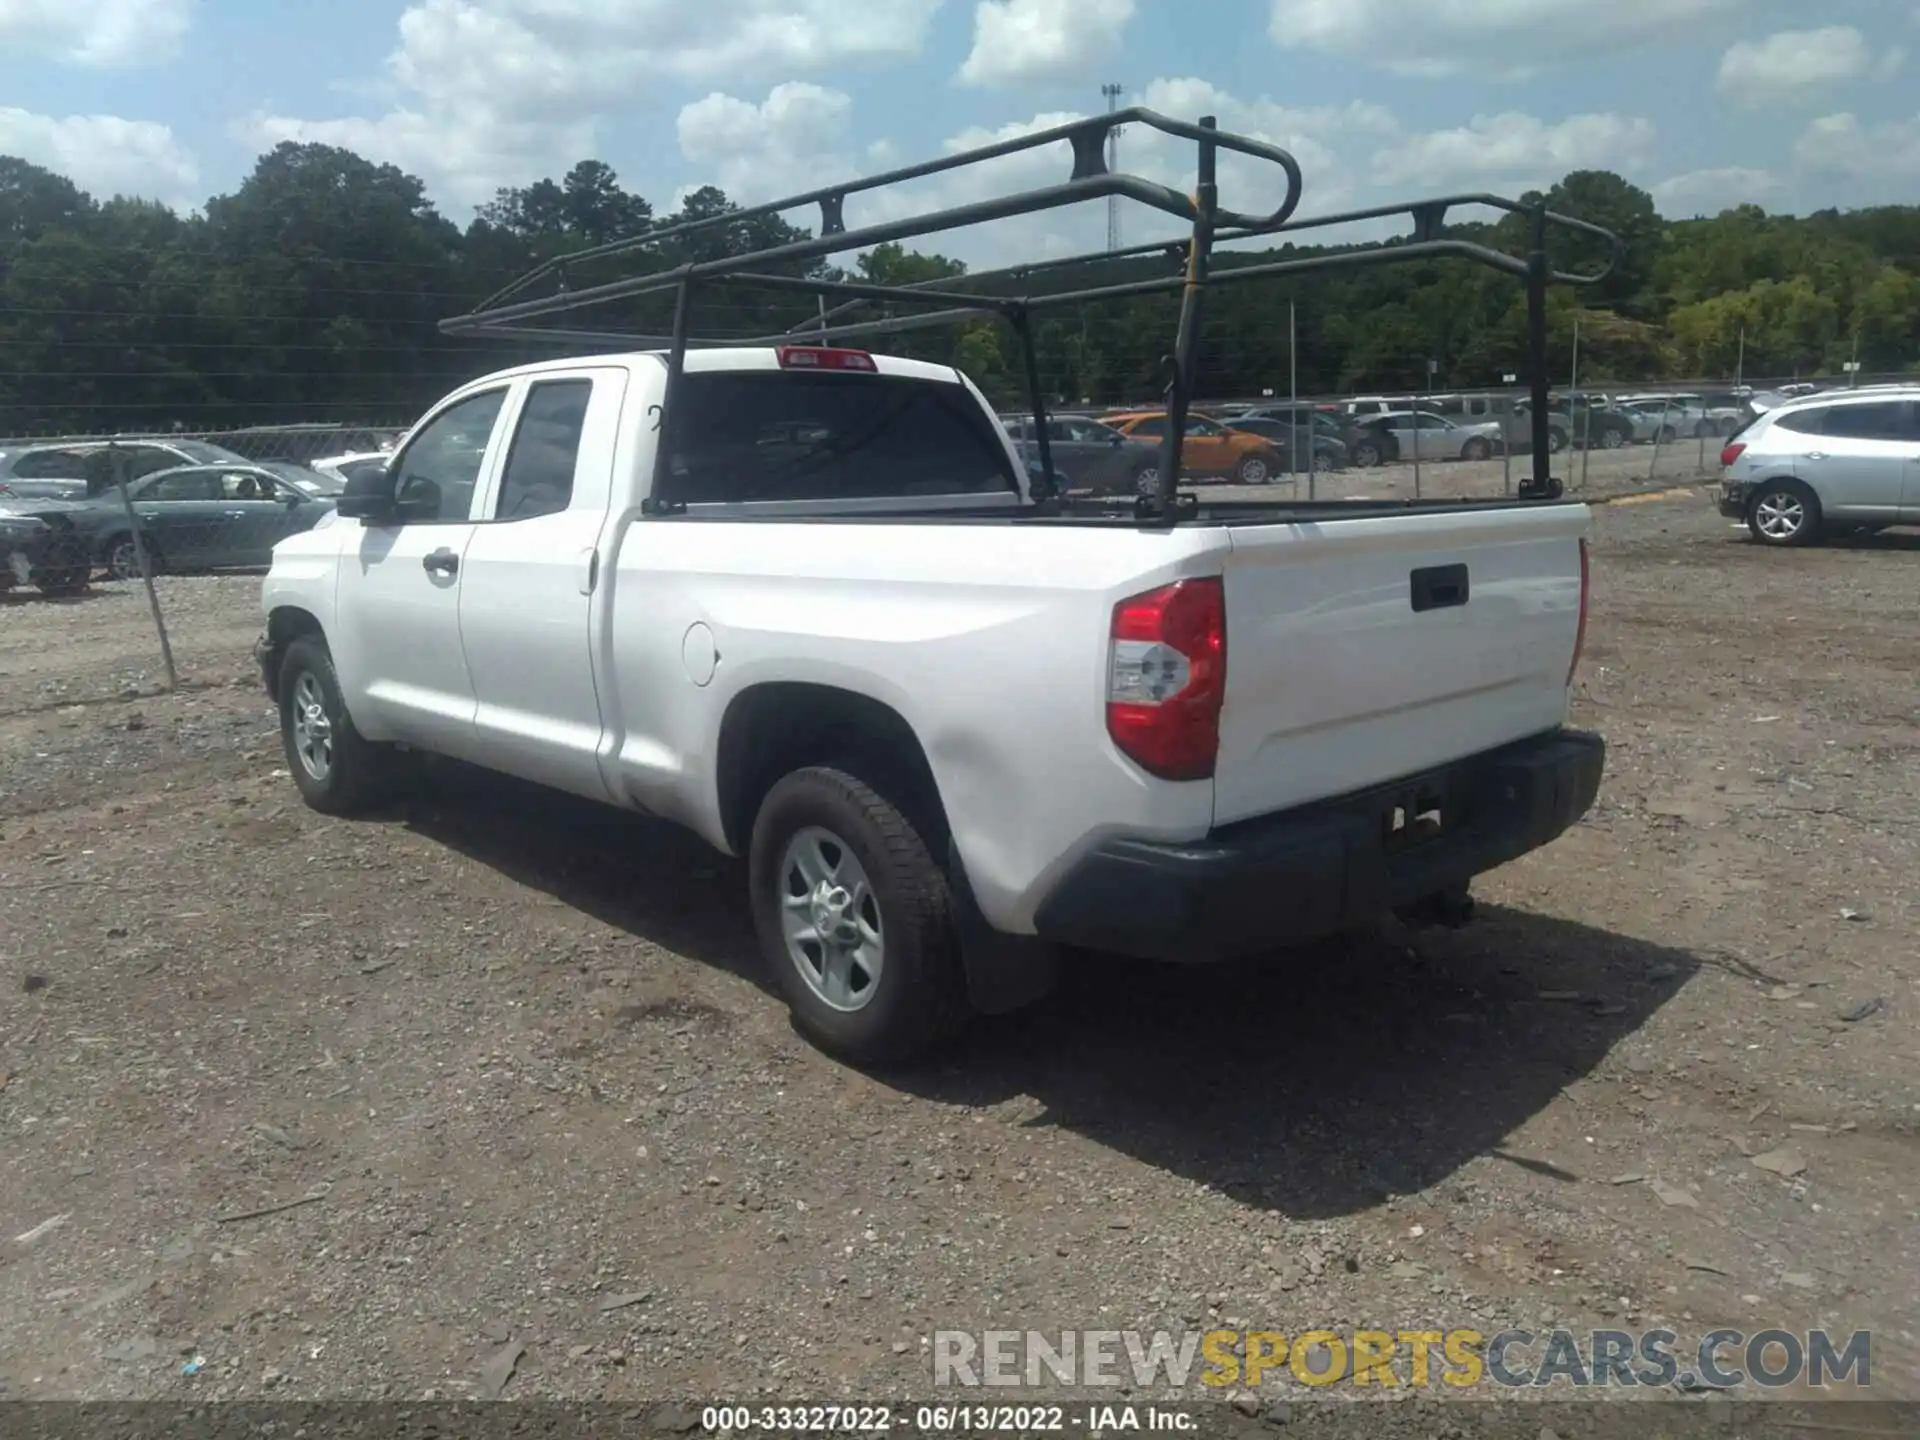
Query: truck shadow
{"points": [[1320, 1082], [1314, 1083]]}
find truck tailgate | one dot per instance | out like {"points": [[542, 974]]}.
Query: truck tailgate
{"points": [[1360, 651]]}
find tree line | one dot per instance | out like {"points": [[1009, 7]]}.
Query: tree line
{"points": [[313, 291]]}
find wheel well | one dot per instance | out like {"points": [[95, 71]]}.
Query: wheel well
{"points": [[286, 624], [772, 730]]}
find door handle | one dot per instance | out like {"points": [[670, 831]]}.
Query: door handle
{"points": [[1816, 454], [234, 514], [441, 562]]}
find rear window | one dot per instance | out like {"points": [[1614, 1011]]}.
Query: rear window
{"points": [[1802, 422], [781, 435]]}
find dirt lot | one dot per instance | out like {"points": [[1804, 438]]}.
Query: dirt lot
{"points": [[519, 1050]]}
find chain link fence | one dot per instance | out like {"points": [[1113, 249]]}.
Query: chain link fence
{"points": [[181, 523], [174, 524]]}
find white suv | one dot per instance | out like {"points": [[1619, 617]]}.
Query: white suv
{"points": [[1843, 458]]}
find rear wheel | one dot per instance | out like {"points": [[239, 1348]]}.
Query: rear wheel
{"points": [[855, 919], [1368, 454], [1703, 429], [1556, 440], [1476, 449], [1146, 480], [1784, 512], [1612, 438]]}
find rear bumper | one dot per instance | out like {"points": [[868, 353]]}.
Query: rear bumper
{"points": [[1308, 873], [1733, 500]]}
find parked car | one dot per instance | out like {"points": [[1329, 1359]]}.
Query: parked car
{"points": [[1102, 459], [1512, 416], [1327, 425], [1208, 450], [1687, 416], [39, 552], [950, 733], [192, 517], [1591, 420], [345, 467], [1840, 459], [1434, 437], [91, 462], [1325, 453]]}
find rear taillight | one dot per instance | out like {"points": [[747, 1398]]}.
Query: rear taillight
{"points": [[1580, 634], [824, 357], [1167, 677], [1735, 449]]}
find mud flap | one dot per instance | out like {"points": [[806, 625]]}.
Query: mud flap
{"points": [[1004, 972]]}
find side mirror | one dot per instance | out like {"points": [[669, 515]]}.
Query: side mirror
{"points": [[293, 499], [368, 496], [1118, 440]]}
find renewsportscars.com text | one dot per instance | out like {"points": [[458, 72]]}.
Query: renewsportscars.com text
{"points": [[1457, 1359]]}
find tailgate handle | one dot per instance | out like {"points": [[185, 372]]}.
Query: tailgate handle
{"points": [[1438, 587]]}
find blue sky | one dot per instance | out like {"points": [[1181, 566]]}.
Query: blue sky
{"points": [[1704, 102]]}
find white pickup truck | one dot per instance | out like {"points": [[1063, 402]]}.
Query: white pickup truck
{"points": [[951, 729]]}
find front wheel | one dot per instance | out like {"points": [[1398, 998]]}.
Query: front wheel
{"points": [[1556, 441], [1255, 469], [1784, 512], [1367, 454], [1476, 449], [1146, 480], [337, 770], [66, 572], [1612, 438], [855, 919]]}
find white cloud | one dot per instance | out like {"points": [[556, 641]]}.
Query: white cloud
{"points": [[107, 34], [499, 92], [104, 154], [792, 141], [1516, 151], [1019, 42], [1885, 156], [1478, 37], [1708, 192], [1795, 63]]}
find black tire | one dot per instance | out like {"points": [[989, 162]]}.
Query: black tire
{"points": [[1556, 440], [1146, 480], [1612, 437], [67, 571], [1258, 468], [1668, 434], [122, 560], [1784, 513], [918, 998], [1368, 454], [358, 775], [1476, 449], [1704, 428]]}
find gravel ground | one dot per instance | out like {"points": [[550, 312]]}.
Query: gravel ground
{"points": [[514, 1057]]}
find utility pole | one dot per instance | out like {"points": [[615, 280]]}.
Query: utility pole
{"points": [[1113, 94]]}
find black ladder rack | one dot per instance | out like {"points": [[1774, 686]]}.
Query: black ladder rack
{"points": [[511, 312]]}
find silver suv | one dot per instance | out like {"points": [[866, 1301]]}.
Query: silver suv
{"points": [[1843, 459]]}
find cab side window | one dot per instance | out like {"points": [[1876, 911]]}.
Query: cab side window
{"points": [[546, 449], [433, 478]]}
